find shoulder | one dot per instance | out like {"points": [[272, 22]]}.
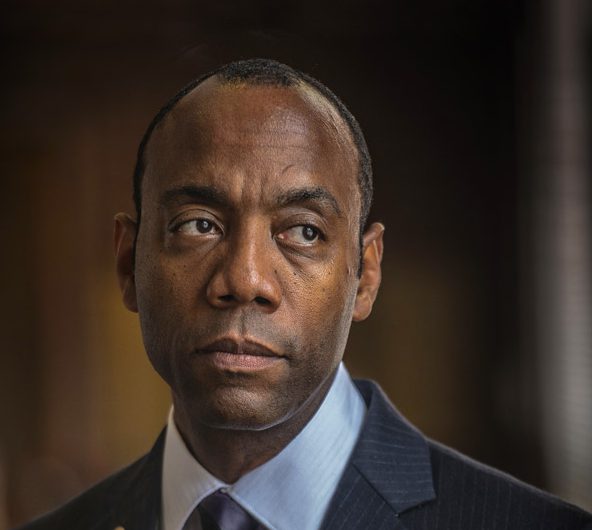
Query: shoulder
{"points": [[91, 508], [458, 492], [474, 495]]}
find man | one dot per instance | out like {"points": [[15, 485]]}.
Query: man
{"points": [[247, 261]]}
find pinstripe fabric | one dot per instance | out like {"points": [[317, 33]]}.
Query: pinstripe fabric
{"points": [[396, 479], [471, 495]]}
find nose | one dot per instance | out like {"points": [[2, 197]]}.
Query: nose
{"points": [[245, 273]]}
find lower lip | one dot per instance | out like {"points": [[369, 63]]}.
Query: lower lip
{"points": [[239, 361]]}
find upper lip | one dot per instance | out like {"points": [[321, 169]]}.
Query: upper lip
{"points": [[245, 347]]}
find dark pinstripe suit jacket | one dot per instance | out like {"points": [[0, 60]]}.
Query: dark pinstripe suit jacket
{"points": [[396, 479]]}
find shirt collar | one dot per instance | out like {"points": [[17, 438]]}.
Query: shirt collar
{"points": [[293, 489]]}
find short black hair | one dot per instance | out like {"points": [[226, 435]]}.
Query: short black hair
{"points": [[267, 72]]}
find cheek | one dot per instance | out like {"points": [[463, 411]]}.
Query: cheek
{"points": [[165, 285], [323, 302], [165, 299]]}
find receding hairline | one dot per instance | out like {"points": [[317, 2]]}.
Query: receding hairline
{"points": [[320, 107]]}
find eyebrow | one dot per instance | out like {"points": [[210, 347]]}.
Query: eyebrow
{"points": [[313, 194], [215, 197], [205, 194]]}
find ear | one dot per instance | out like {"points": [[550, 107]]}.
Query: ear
{"points": [[371, 273], [124, 236]]}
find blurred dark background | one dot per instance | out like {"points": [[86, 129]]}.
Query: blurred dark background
{"points": [[476, 114]]}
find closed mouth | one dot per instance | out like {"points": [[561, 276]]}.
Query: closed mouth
{"points": [[238, 356], [238, 347]]}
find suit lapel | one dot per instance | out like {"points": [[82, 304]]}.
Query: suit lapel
{"points": [[138, 508], [389, 472]]}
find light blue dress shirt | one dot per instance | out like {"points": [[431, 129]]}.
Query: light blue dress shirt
{"points": [[291, 491]]}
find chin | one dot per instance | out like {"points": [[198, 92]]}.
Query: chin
{"points": [[243, 421], [242, 411]]}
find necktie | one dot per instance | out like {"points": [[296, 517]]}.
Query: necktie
{"points": [[219, 512]]}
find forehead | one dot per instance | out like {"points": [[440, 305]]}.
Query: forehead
{"points": [[259, 126]]}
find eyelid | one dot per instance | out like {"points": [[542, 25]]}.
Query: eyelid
{"points": [[215, 228], [195, 214], [320, 235]]}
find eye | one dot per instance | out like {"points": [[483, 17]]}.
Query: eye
{"points": [[196, 227], [301, 234]]}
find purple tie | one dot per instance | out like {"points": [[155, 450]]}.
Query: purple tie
{"points": [[219, 512]]}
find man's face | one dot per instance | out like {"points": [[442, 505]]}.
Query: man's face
{"points": [[247, 253]]}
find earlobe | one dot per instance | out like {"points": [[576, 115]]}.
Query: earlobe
{"points": [[124, 235], [371, 271]]}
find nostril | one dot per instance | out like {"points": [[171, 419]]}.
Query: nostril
{"points": [[231, 299], [227, 298], [262, 301]]}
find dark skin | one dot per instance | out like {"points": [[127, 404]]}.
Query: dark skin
{"points": [[246, 263]]}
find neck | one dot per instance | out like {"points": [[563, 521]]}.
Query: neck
{"points": [[228, 454]]}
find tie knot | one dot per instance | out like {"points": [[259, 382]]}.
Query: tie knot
{"points": [[219, 512]]}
